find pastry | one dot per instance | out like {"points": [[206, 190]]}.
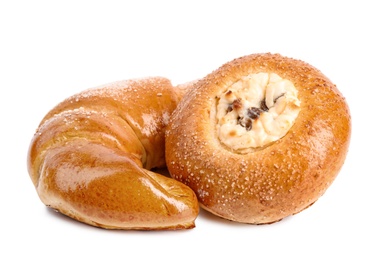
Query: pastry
{"points": [[92, 155], [260, 138]]}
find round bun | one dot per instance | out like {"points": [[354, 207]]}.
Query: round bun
{"points": [[91, 157], [260, 138]]}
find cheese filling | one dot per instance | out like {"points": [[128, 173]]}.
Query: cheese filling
{"points": [[255, 111]]}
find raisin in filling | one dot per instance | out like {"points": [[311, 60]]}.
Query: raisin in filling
{"points": [[255, 111], [252, 113]]}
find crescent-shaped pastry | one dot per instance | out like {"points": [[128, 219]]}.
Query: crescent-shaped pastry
{"points": [[91, 157], [260, 138]]}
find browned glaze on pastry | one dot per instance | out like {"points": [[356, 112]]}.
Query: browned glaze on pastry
{"points": [[92, 154]]}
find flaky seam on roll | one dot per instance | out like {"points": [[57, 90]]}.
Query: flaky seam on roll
{"points": [[260, 138], [92, 154]]}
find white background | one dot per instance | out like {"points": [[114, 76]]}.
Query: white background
{"points": [[51, 50]]}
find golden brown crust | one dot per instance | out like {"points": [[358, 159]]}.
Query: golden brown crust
{"points": [[91, 155], [283, 178]]}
